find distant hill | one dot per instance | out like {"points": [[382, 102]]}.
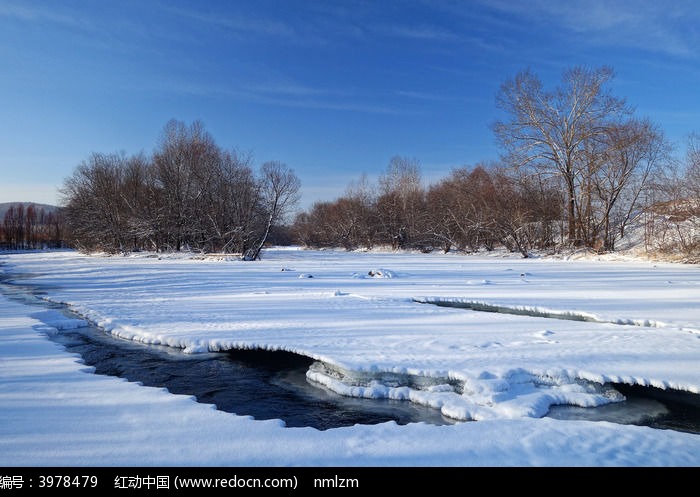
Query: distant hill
{"points": [[5, 206]]}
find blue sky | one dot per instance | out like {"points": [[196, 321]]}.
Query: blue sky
{"points": [[334, 89]]}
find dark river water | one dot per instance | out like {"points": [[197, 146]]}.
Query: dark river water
{"points": [[262, 384], [273, 384]]}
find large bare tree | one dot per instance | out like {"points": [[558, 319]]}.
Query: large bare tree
{"points": [[186, 164], [551, 131]]}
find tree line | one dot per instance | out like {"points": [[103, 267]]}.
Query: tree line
{"points": [[190, 194], [31, 227], [473, 208], [577, 168]]}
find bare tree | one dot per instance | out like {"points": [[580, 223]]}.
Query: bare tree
{"points": [[462, 209], [682, 213], [693, 165], [444, 227], [185, 165], [400, 201], [234, 204], [308, 226], [95, 211], [14, 225], [549, 130], [362, 198], [31, 226], [635, 151], [191, 194], [279, 192]]}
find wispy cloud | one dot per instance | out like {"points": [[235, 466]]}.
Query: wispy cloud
{"points": [[241, 25], [283, 95], [317, 100], [34, 14], [417, 32], [417, 95], [110, 28], [293, 90], [658, 27]]}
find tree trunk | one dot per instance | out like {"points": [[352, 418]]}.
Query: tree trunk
{"points": [[254, 253]]}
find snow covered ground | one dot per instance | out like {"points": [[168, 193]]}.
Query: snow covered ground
{"points": [[565, 328]]}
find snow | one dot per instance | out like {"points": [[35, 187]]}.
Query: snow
{"points": [[563, 329]]}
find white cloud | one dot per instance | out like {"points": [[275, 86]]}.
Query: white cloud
{"points": [[659, 27], [27, 13]]}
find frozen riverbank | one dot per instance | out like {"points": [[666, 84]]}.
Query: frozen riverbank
{"points": [[347, 318]]}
